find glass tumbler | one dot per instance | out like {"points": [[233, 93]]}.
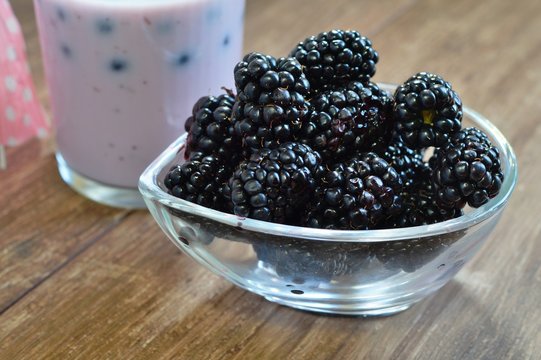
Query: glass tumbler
{"points": [[123, 76]]}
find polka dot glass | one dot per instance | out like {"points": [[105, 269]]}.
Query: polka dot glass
{"points": [[123, 77]]}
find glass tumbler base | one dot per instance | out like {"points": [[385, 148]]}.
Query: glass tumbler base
{"points": [[121, 197]]}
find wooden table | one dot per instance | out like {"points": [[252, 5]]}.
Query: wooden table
{"points": [[80, 280]]}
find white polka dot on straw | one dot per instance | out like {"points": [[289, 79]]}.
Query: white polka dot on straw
{"points": [[42, 133], [27, 94], [10, 113], [11, 141], [11, 54], [12, 25], [10, 83], [27, 120], [3, 162]]}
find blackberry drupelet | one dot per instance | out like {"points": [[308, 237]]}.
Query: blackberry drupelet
{"points": [[274, 185], [335, 58], [427, 111], [271, 100], [356, 195], [408, 162], [210, 129], [345, 121], [199, 181], [466, 170]]}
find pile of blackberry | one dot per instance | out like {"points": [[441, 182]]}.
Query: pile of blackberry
{"points": [[310, 140]]}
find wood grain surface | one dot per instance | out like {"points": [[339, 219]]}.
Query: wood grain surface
{"points": [[80, 280]]}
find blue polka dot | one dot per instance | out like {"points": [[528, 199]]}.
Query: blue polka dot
{"points": [[66, 51], [118, 65], [164, 27], [226, 40], [214, 14], [105, 26], [61, 14], [183, 59]]}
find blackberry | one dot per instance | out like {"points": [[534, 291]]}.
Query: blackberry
{"points": [[408, 162], [199, 181], [357, 194], [410, 255], [271, 100], [210, 130], [300, 261], [419, 208], [466, 170], [273, 185], [344, 121], [427, 111], [336, 57]]}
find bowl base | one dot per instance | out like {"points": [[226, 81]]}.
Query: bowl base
{"points": [[361, 309]]}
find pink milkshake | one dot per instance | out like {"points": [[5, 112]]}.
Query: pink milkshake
{"points": [[123, 76]]}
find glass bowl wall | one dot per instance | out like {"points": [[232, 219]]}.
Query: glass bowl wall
{"points": [[366, 272]]}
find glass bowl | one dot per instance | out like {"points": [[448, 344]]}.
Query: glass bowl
{"points": [[362, 272]]}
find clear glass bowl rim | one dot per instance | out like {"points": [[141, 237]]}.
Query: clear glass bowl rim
{"points": [[149, 187]]}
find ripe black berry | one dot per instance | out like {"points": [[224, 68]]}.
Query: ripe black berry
{"points": [[271, 100], [427, 111], [408, 162], [336, 57], [409, 255], [199, 181], [300, 261], [345, 121], [274, 185], [419, 207], [467, 169], [210, 130], [357, 194]]}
